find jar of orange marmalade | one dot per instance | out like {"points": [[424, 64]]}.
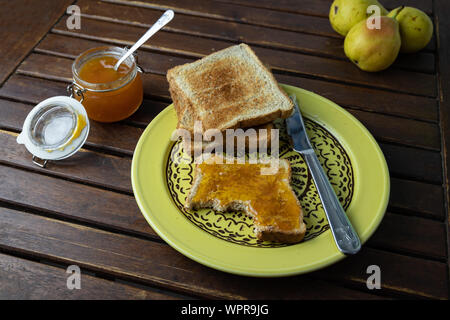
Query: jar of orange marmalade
{"points": [[106, 94]]}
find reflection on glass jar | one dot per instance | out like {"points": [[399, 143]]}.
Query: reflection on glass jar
{"points": [[109, 95]]}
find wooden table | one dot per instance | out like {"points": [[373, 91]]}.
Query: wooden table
{"points": [[81, 211]]}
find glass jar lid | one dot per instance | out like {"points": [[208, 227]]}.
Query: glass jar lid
{"points": [[55, 129]]}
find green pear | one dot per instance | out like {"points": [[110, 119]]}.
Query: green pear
{"points": [[373, 49], [416, 28], [344, 14]]}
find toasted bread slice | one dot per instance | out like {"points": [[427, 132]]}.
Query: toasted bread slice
{"points": [[268, 198], [192, 148], [230, 88]]}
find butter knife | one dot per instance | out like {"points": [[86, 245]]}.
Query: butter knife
{"points": [[345, 236]]}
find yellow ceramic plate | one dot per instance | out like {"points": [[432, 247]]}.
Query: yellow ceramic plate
{"points": [[349, 155]]}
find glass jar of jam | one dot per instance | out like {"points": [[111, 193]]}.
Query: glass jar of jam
{"points": [[106, 94]]}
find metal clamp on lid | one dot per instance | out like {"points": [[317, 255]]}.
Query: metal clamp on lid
{"points": [[75, 89]]}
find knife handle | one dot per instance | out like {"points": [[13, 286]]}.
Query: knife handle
{"points": [[346, 238]]}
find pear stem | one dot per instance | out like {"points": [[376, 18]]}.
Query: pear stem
{"points": [[397, 12]]}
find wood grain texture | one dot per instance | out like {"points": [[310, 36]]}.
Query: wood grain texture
{"points": [[414, 107], [159, 264], [400, 273], [99, 226], [86, 204], [322, 7], [402, 105], [86, 166], [22, 279], [413, 195], [283, 61], [238, 32], [399, 130], [116, 137], [443, 29], [150, 262], [35, 17], [412, 235], [411, 162], [387, 128], [236, 13], [316, 25], [112, 172]]}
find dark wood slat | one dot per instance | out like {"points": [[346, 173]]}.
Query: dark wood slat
{"points": [[392, 129], [398, 273], [135, 259], [117, 170], [18, 39], [388, 128], [85, 166], [22, 279], [399, 130], [411, 162], [236, 13], [391, 79], [412, 195], [261, 17], [18, 87], [115, 137], [414, 235], [443, 25], [307, 7], [406, 227], [147, 112], [71, 200], [322, 7], [60, 68], [384, 102], [368, 99], [54, 68], [32, 94], [411, 234], [430, 203], [424, 5], [420, 61], [69, 47], [110, 253], [226, 30]]}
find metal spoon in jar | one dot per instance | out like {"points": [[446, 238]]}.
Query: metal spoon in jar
{"points": [[165, 19]]}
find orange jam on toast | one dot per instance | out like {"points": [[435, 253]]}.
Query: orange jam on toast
{"points": [[268, 198]]}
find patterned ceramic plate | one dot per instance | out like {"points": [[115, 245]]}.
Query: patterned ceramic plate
{"points": [[348, 153]]}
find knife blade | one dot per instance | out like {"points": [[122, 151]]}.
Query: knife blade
{"points": [[345, 236], [296, 130]]}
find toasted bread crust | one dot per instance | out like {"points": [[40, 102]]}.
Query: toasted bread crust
{"points": [[284, 113], [181, 104], [277, 236], [230, 88]]}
